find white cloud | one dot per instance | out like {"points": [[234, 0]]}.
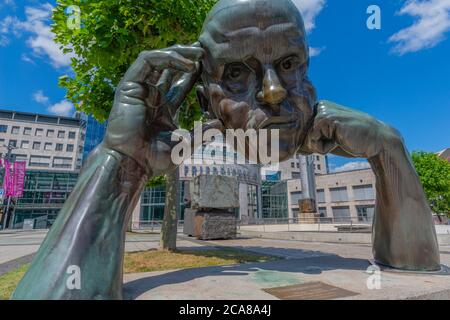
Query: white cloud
{"points": [[7, 3], [40, 97], [4, 41], [26, 58], [432, 22], [310, 9], [350, 166], [41, 39], [315, 51], [62, 108]]}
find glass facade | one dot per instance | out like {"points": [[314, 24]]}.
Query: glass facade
{"points": [[44, 195], [153, 203], [274, 200], [94, 135]]}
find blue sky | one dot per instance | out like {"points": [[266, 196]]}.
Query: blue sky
{"points": [[400, 73]]}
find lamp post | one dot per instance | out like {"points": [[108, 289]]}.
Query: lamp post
{"points": [[8, 156]]}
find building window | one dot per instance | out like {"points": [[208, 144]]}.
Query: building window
{"points": [[25, 145], [61, 134], [69, 148], [62, 163], [318, 158], [341, 214], [194, 171], [296, 175], [321, 196], [323, 212], [72, 135], [20, 157], [36, 145], [296, 197], [39, 161], [186, 171], [319, 167], [59, 147], [292, 164], [39, 132], [48, 146], [27, 131], [363, 192], [365, 213], [3, 128], [15, 130], [13, 143], [50, 133], [339, 194]]}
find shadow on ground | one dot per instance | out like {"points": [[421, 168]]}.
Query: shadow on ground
{"points": [[298, 261]]}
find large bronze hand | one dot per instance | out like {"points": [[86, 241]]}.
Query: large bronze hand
{"points": [[403, 231], [147, 100]]}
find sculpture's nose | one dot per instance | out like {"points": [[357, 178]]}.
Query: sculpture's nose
{"points": [[272, 91]]}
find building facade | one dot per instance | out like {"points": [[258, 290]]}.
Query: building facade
{"points": [[206, 160], [52, 148], [342, 196], [444, 154], [44, 142], [290, 169]]}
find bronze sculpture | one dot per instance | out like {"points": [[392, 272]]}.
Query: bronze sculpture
{"points": [[253, 60]]}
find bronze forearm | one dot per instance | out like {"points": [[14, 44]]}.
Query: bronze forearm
{"points": [[89, 233]]}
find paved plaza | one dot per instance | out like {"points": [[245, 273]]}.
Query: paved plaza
{"points": [[343, 266]]}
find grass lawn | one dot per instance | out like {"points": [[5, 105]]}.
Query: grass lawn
{"points": [[153, 260], [8, 281]]}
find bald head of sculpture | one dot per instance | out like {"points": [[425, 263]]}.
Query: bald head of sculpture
{"points": [[257, 57]]}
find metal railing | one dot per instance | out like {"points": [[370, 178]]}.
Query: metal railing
{"points": [[313, 224], [153, 226]]}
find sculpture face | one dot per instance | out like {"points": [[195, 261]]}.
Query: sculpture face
{"points": [[256, 52]]}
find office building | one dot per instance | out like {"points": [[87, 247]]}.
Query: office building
{"points": [[44, 142]]}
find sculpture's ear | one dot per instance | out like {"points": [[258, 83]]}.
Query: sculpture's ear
{"points": [[202, 98]]}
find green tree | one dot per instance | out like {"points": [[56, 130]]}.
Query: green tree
{"points": [[111, 36], [434, 174]]}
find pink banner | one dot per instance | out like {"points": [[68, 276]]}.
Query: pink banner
{"points": [[13, 182], [19, 178], [7, 180]]}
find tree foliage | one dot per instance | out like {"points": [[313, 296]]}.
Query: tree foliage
{"points": [[112, 34], [434, 174]]}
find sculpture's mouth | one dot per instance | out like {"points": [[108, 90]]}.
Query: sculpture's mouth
{"points": [[281, 122]]}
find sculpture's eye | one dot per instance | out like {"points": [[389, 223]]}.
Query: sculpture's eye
{"points": [[289, 64], [236, 77], [235, 71]]}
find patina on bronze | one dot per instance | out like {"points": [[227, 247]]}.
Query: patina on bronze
{"points": [[254, 58]]}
